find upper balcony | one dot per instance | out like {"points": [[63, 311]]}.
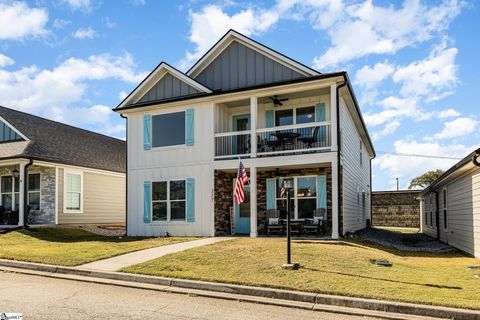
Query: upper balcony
{"points": [[295, 123]]}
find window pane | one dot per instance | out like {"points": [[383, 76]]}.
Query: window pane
{"points": [[159, 211], [280, 184], [17, 201], [17, 184], [74, 182], [6, 184], [307, 187], [177, 190], [159, 190], [34, 182], [177, 210], [284, 117], [34, 200], [7, 201], [305, 115], [168, 129], [73, 201], [306, 207]]}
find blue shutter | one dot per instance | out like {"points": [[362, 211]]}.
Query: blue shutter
{"points": [[269, 119], [189, 127], [320, 116], [147, 129], [271, 193], [190, 200], [322, 192], [147, 202]]}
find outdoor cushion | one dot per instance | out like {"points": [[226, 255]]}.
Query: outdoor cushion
{"points": [[273, 221]]}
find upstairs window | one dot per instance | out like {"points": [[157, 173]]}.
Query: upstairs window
{"points": [[294, 116], [168, 129]]}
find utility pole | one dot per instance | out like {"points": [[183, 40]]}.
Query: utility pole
{"points": [[397, 183]]}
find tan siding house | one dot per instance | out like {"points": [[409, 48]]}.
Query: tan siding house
{"points": [[454, 201]]}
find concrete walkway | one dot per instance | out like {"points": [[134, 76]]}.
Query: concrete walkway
{"points": [[128, 259]]}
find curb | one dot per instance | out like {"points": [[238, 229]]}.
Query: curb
{"points": [[318, 301]]}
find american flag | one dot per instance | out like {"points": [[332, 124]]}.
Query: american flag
{"points": [[242, 180]]}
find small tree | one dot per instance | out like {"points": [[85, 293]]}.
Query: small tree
{"points": [[425, 179]]}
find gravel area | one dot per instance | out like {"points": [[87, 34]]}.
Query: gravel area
{"points": [[105, 230], [403, 241]]}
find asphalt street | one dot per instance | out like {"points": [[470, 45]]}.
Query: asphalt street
{"points": [[47, 298]]}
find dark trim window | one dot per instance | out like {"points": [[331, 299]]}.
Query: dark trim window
{"points": [[445, 217], [9, 192], [34, 191], [288, 117], [169, 200], [168, 129]]}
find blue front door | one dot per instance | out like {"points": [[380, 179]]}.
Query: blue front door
{"points": [[242, 214]]}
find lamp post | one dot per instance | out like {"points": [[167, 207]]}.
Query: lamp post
{"points": [[287, 187]]}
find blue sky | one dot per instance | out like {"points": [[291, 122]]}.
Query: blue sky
{"points": [[413, 64]]}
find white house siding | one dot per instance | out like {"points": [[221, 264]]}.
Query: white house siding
{"points": [[429, 220], [356, 176], [103, 198], [179, 162]]}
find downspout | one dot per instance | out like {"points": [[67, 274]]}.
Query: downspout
{"points": [[475, 157], [339, 148], [126, 174], [25, 193]]}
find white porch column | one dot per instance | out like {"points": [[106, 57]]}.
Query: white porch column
{"points": [[335, 202], [253, 126], [21, 198], [253, 202], [333, 116]]}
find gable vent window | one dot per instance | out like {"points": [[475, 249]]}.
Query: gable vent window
{"points": [[168, 129]]}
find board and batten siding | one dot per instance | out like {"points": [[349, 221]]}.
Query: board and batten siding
{"points": [[463, 212], [356, 176], [103, 199], [167, 87], [172, 163]]}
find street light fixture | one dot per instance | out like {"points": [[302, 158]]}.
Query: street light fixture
{"points": [[287, 187]]}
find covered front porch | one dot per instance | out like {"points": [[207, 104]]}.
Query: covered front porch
{"points": [[27, 194], [312, 209]]}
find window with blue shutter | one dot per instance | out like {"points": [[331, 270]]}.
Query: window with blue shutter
{"points": [[190, 200], [322, 192], [147, 129], [189, 127], [271, 193], [147, 202], [270, 119]]}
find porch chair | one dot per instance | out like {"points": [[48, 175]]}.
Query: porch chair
{"points": [[309, 140], [317, 226], [3, 215], [274, 224]]}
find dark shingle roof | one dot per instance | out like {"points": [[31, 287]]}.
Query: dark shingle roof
{"points": [[61, 143]]}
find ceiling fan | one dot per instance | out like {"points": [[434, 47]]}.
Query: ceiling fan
{"points": [[277, 102]]}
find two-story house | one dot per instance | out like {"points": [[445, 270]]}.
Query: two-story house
{"points": [[242, 100]]}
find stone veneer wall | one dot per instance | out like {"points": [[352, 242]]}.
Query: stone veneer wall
{"points": [[224, 194], [396, 208], [46, 214]]}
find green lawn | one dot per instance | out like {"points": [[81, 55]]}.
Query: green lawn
{"points": [[71, 246], [334, 267]]}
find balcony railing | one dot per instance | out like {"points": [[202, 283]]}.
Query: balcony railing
{"points": [[301, 138]]}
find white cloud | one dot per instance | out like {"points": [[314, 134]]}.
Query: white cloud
{"points": [[211, 22], [5, 61], [122, 95], [368, 29], [395, 109], [407, 168], [369, 77], [460, 127], [85, 33], [321, 13], [60, 23], [448, 113], [137, 3], [18, 21], [57, 92], [82, 5], [389, 128]]}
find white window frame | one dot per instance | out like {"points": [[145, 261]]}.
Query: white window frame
{"points": [[295, 198], [12, 193], [168, 201], [39, 191], [445, 210], [173, 146], [294, 114], [76, 172]]}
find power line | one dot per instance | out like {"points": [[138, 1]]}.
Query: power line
{"points": [[417, 155]]}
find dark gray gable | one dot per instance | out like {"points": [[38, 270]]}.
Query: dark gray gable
{"points": [[7, 134], [238, 66], [168, 87]]}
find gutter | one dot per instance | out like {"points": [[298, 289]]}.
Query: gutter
{"points": [[475, 157], [126, 172], [25, 193], [339, 148]]}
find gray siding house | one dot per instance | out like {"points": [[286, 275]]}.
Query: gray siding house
{"points": [[450, 206], [52, 173]]}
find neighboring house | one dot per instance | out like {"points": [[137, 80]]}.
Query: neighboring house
{"points": [[450, 206], [187, 131], [62, 174], [396, 208]]}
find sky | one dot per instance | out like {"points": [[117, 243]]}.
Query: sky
{"points": [[413, 64]]}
